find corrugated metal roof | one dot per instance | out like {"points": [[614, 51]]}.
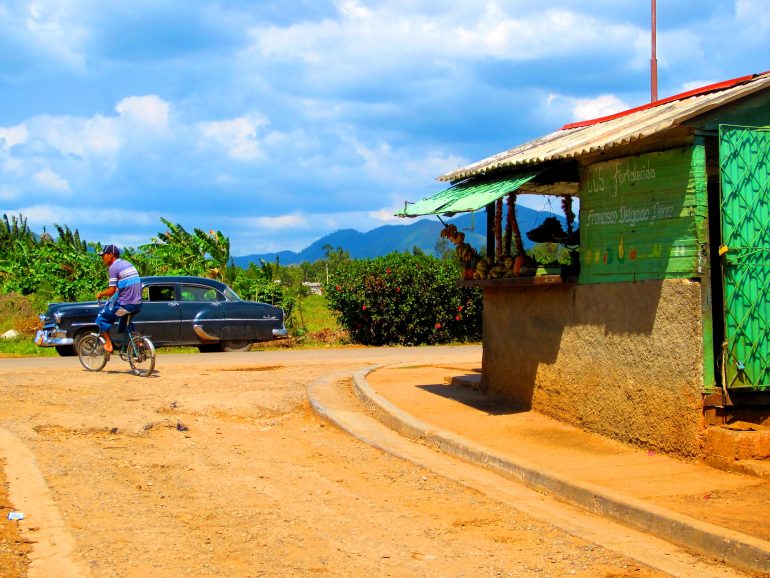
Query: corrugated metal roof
{"points": [[578, 139]]}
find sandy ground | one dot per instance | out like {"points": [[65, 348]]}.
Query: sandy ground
{"points": [[216, 466]]}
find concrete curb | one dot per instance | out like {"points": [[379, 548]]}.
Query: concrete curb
{"points": [[736, 549], [53, 547], [343, 419]]}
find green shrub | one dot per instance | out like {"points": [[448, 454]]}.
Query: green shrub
{"points": [[404, 299]]}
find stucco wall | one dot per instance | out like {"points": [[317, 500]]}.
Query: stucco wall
{"points": [[621, 359]]}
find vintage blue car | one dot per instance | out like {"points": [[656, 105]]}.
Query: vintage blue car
{"points": [[176, 311]]}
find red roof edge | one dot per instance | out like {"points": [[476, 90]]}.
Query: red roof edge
{"points": [[695, 92]]}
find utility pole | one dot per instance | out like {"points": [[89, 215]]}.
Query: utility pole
{"points": [[654, 58]]}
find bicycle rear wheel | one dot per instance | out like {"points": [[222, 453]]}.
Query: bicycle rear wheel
{"points": [[141, 356], [91, 353]]}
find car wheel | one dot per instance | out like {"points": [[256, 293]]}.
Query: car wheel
{"points": [[236, 345], [209, 348], [77, 337], [65, 350]]}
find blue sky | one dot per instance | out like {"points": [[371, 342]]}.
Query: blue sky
{"points": [[278, 122]]}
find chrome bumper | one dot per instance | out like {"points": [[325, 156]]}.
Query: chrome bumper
{"points": [[279, 333], [51, 338]]}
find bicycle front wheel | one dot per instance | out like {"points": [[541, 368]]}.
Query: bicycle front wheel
{"points": [[141, 356], [91, 353]]}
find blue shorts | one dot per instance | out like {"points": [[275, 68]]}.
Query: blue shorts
{"points": [[112, 312]]}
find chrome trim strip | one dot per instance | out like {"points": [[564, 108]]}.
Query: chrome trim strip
{"points": [[44, 339], [201, 333]]}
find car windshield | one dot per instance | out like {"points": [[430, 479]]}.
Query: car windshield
{"points": [[232, 295]]}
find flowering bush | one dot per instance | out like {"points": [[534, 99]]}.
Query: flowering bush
{"points": [[404, 299]]}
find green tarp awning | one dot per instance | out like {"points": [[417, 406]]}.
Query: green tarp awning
{"points": [[469, 195]]}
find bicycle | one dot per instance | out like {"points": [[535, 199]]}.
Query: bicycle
{"points": [[136, 349]]}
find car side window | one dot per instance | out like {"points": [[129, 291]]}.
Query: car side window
{"points": [[158, 293], [193, 293]]}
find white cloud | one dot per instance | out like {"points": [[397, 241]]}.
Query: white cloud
{"points": [[329, 222], [433, 164], [387, 33], [372, 157], [79, 137], [387, 216], [584, 108], [47, 24], [148, 110], [280, 222], [542, 34], [97, 135], [8, 194], [688, 86], [11, 166], [602, 105], [755, 16], [40, 216], [297, 231], [13, 135], [353, 8], [51, 181], [238, 136]]}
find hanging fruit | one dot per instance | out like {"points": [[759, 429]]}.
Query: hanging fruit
{"points": [[498, 252]]}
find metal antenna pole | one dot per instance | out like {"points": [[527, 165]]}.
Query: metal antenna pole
{"points": [[654, 59]]}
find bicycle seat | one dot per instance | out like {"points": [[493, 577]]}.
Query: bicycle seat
{"points": [[129, 317], [131, 314]]}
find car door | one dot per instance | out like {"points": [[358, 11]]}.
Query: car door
{"points": [[250, 321], [160, 317], [201, 313]]}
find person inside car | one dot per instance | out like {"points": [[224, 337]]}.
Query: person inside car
{"points": [[125, 281]]}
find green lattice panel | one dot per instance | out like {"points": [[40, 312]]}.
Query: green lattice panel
{"points": [[745, 174]]}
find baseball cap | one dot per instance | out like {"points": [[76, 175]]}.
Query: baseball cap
{"points": [[110, 250]]}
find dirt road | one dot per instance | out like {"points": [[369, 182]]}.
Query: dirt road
{"points": [[216, 466]]}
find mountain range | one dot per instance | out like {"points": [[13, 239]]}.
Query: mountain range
{"points": [[398, 238]]}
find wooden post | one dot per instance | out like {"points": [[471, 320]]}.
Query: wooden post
{"points": [[654, 56], [491, 230]]}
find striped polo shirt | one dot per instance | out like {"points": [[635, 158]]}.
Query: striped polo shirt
{"points": [[125, 277]]}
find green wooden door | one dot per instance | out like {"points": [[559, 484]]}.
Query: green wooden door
{"points": [[745, 177]]}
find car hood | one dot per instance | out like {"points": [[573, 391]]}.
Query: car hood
{"points": [[83, 308]]}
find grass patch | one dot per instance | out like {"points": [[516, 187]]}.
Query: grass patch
{"points": [[24, 347], [313, 315], [162, 350], [312, 324]]}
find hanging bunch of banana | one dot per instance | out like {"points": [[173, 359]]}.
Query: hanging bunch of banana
{"points": [[488, 269], [466, 254]]}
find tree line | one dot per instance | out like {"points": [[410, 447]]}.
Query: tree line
{"points": [[62, 266], [401, 298]]}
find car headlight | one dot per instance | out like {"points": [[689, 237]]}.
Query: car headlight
{"points": [[42, 317], [57, 317]]}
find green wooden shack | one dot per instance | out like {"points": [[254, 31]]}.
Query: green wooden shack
{"points": [[662, 327]]}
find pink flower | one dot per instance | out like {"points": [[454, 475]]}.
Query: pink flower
{"points": [[363, 308], [457, 318], [438, 326]]}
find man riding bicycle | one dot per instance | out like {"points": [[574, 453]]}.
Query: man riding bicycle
{"points": [[125, 281]]}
